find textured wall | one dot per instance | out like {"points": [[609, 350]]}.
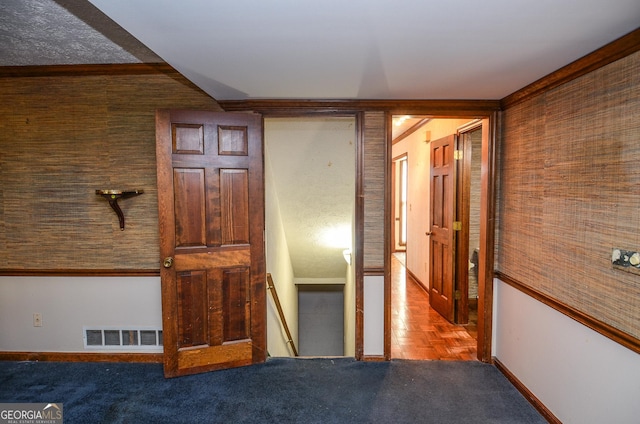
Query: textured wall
{"points": [[61, 138], [374, 187], [570, 192]]}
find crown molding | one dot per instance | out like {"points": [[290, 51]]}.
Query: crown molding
{"points": [[86, 70], [617, 49]]}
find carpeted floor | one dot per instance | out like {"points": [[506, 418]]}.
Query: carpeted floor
{"points": [[278, 391]]}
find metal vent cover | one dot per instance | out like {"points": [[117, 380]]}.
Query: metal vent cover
{"points": [[122, 338]]}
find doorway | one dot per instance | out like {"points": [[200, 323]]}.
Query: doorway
{"points": [[417, 330], [367, 133], [310, 207]]}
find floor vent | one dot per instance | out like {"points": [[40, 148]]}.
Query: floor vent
{"points": [[122, 338]]}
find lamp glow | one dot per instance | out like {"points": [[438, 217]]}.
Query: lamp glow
{"points": [[336, 237]]}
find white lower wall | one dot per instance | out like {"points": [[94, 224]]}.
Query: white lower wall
{"points": [[580, 375], [373, 315], [69, 303]]}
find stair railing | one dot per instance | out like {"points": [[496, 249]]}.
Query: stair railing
{"points": [[272, 289]]}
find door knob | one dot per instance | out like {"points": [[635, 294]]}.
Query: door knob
{"points": [[168, 261], [428, 233]]}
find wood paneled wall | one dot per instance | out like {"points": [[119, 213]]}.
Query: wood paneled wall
{"points": [[570, 193], [62, 138]]}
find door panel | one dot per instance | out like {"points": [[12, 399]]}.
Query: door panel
{"points": [[441, 272], [211, 215], [234, 196], [189, 206], [192, 306]]}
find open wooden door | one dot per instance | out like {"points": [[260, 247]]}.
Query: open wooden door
{"points": [[442, 233], [211, 216]]}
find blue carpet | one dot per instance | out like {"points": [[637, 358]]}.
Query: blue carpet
{"points": [[278, 391]]}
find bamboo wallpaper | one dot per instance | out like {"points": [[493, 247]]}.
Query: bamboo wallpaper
{"points": [[61, 139], [570, 192], [374, 188]]}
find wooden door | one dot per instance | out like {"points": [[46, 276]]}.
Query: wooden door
{"points": [[211, 216], [443, 186]]}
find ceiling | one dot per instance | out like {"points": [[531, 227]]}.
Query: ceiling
{"points": [[334, 49], [64, 32]]}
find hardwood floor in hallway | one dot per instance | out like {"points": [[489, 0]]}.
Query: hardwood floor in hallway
{"points": [[418, 331]]}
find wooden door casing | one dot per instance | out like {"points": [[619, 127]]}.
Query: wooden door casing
{"points": [[211, 216]]}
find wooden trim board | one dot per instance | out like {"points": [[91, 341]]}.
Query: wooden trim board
{"points": [[155, 358], [529, 396]]}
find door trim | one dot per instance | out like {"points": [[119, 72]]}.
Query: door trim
{"points": [[396, 210], [473, 109], [462, 211], [487, 228], [487, 236]]}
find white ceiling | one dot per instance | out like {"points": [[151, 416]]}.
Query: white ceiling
{"points": [[371, 49]]}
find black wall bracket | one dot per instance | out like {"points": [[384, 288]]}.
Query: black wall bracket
{"points": [[113, 195]]}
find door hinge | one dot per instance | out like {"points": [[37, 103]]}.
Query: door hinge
{"points": [[457, 225], [457, 154], [457, 295]]}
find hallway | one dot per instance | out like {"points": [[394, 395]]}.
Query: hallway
{"points": [[419, 332]]}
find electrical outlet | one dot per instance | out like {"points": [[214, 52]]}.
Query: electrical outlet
{"points": [[37, 320], [626, 260]]}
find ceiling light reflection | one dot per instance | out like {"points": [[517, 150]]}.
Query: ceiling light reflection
{"points": [[338, 237]]}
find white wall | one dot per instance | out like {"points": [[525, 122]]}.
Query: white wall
{"points": [[579, 375], [279, 266], [69, 303]]}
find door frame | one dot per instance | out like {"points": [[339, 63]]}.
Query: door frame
{"points": [[358, 236], [487, 225], [472, 109], [462, 211], [397, 214]]}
